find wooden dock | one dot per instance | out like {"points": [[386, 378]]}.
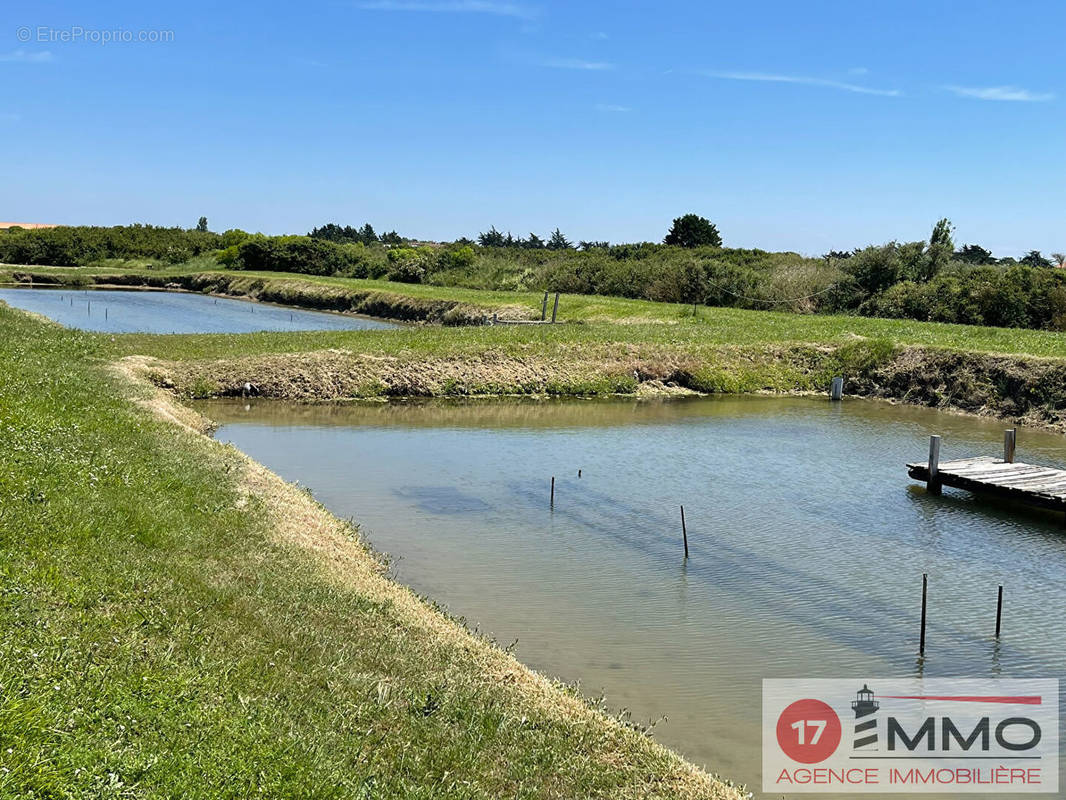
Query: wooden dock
{"points": [[1004, 477]]}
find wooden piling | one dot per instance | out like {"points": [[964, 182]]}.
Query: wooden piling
{"points": [[932, 485], [555, 309], [684, 530], [925, 586], [579, 473], [544, 308], [552, 502], [999, 610], [1010, 439], [836, 389]]}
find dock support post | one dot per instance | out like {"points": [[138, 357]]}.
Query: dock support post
{"points": [[925, 586], [552, 501], [932, 485], [999, 610], [1010, 439], [544, 308], [836, 390], [555, 309], [684, 530]]}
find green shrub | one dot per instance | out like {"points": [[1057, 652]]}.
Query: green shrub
{"points": [[79, 245]]}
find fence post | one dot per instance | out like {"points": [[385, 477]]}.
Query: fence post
{"points": [[1010, 438], [933, 483], [544, 308], [555, 309], [925, 586], [836, 390]]}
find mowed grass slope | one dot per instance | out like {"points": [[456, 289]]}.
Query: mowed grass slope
{"points": [[159, 639]]}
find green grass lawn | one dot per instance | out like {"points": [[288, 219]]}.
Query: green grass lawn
{"points": [[157, 639]]}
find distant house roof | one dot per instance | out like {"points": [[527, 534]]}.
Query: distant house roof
{"points": [[27, 225]]}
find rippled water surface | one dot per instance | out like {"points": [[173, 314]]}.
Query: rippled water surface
{"points": [[808, 542], [125, 311]]}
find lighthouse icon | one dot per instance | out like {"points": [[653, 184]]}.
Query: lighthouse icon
{"points": [[865, 707]]}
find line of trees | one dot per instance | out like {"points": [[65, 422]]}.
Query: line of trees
{"points": [[690, 230], [556, 241], [333, 232]]}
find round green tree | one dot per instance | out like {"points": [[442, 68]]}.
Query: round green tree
{"points": [[693, 230]]}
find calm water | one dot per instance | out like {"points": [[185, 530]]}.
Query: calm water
{"points": [[124, 311], [808, 542]]}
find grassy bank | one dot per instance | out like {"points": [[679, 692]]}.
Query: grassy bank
{"points": [[175, 620], [660, 321]]}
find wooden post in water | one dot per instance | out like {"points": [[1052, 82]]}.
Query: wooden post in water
{"points": [[1010, 439], [105, 312], [921, 642], [555, 309], [544, 308], [932, 485], [579, 473], [836, 389], [999, 610], [552, 502], [684, 530]]}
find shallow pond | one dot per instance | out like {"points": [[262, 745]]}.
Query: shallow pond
{"points": [[133, 311], [808, 542]]}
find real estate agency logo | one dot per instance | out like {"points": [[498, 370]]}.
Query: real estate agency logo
{"points": [[911, 735]]}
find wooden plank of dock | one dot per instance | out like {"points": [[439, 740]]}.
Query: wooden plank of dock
{"points": [[1028, 483]]}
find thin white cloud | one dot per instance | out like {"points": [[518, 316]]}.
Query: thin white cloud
{"points": [[576, 63], [27, 57], [500, 9], [612, 108], [599, 36], [799, 79], [1008, 93]]}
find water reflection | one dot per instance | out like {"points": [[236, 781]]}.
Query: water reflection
{"points": [[131, 311], [807, 542]]}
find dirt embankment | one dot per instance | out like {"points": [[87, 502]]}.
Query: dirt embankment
{"points": [[300, 293], [1025, 390]]}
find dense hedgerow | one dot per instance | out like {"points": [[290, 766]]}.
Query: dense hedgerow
{"points": [[78, 245]]}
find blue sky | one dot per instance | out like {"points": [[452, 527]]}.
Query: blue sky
{"points": [[793, 125]]}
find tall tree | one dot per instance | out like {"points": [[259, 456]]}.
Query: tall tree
{"points": [[940, 249], [1059, 259], [201, 225], [692, 230], [974, 254], [1034, 259], [367, 235], [558, 241], [491, 238], [534, 242]]}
